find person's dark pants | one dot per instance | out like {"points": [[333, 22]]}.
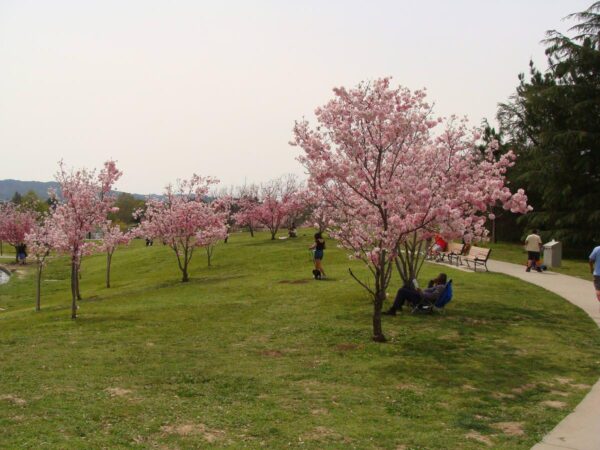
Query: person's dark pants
{"points": [[405, 295]]}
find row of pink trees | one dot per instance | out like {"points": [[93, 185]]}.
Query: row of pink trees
{"points": [[388, 175], [278, 203]]}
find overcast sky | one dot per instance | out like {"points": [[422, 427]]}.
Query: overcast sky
{"points": [[169, 88]]}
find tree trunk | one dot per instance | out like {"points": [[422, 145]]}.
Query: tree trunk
{"points": [[185, 277], [108, 261], [77, 278], [1, 249], [74, 276], [209, 252], [378, 335], [251, 231], [38, 292], [273, 233]]}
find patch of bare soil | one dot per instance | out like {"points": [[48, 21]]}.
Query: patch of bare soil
{"points": [[474, 435], [563, 380], [323, 434], [510, 428], [468, 387], [524, 388], [293, 282], [319, 412], [554, 404], [559, 393], [272, 353], [502, 395], [581, 386], [194, 429], [13, 399], [118, 392]]}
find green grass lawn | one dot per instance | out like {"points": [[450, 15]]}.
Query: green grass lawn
{"points": [[253, 353], [515, 253]]}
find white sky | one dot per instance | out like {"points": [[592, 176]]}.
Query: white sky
{"points": [[168, 88]]}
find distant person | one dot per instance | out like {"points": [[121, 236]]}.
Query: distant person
{"points": [[149, 242], [21, 254], [440, 245], [595, 269], [533, 246], [414, 295], [319, 248], [292, 232]]}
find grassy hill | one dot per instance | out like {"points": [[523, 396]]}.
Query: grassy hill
{"points": [[253, 353]]}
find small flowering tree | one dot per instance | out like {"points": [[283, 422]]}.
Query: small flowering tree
{"points": [[279, 201], [39, 243], [15, 224], [184, 221], [111, 239], [383, 174], [248, 213], [86, 202]]}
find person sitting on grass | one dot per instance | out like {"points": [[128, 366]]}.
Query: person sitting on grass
{"points": [[416, 296]]}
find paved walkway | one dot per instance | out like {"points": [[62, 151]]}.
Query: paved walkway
{"points": [[580, 430]]}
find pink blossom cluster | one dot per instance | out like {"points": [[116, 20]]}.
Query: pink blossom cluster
{"points": [[86, 202], [15, 223], [185, 220], [384, 171]]}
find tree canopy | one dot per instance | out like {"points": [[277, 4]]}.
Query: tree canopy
{"points": [[553, 123]]}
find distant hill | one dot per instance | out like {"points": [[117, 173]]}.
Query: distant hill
{"points": [[9, 187]]}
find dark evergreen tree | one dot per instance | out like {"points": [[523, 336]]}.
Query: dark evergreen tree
{"points": [[553, 123]]}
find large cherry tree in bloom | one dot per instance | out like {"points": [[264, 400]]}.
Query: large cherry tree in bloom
{"points": [[389, 175], [247, 201], [15, 224], [184, 220], [85, 203]]}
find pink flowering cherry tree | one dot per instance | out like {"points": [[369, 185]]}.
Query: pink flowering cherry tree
{"points": [[184, 220], [381, 173], [84, 207], [112, 237], [15, 224], [247, 215], [279, 200], [39, 243]]}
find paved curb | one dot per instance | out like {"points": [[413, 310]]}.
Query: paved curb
{"points": [[580, 429]]}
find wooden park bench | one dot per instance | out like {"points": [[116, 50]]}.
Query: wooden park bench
{"points": [[478, 256], [453, 253]]}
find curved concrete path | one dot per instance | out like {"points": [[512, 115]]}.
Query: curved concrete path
{"points": [[580, 430]]}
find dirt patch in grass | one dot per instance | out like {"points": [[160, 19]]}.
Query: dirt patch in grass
{"points": [[581, 386], [559, 393], [194, 429], [554, 404], [323, 434], [118, 392], [319, 412], [510, 428], [524, 388], [563, 380], [13, 399], [474, 435], [502, 395], [293, 282], [272, 353], [468, 387]]}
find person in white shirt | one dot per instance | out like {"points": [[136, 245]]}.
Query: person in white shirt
{"points": [[533, 245]]}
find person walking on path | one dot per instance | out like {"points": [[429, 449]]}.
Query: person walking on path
{"points": [[595, 269], [533, 245], [319, 249]]}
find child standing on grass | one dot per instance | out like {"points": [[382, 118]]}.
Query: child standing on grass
{"points": [[319, 248]]}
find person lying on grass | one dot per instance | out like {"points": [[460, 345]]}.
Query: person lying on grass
{"points": [[415, 296]]}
